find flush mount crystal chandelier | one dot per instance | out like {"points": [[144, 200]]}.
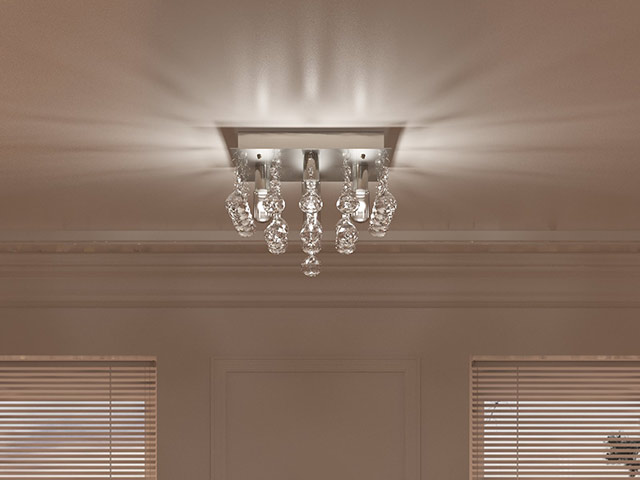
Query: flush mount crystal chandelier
{"points": [[267, 157]]}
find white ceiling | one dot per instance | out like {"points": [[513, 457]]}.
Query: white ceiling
{"points": [[519, 114]]}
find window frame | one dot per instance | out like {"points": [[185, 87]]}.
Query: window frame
{"points": [[88, 359], [527, 358]]}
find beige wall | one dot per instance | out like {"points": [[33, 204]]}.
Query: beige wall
{"points": [[184, 340]]}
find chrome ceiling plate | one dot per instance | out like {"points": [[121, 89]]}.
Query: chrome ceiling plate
{"points": [[361, 145]]}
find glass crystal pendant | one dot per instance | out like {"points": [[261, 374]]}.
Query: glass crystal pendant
{"points": [[385, 204], [240, 213], [237, 203], [277, 232], [311, 204], [277, 235], [347, 205], [311, 266], [347, 201], [346, 236], [311, 236]]}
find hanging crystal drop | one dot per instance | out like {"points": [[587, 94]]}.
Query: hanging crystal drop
{"points": [[385, 204], [310, 202], [273, 202], [311, 235], [237, 204], [347, 204], [311, 266], [277, 235], [346, 236], [311, 231], [240, 213]]}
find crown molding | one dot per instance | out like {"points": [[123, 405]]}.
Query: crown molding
{"points": [[394, 236], [394, 274]]}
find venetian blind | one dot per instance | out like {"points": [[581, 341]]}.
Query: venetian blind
{"points": [[555, 419], [86, 419]]}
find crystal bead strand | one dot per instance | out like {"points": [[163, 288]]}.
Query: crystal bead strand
{"points": [[347, 204], [277, 232], [237, 203], [384, 205], [311, 232]]}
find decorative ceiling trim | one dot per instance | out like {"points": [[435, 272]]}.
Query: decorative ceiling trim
{"points": [[192, 236], [408, 275], [240, 250]]}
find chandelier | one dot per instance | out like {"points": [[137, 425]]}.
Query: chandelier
{"points": [[269, 157]]}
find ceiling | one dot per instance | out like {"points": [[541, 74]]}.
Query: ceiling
{"points": [[518, 114]]}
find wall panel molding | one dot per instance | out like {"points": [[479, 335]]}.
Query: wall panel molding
{"points": [[398, 275], [222, 369]]}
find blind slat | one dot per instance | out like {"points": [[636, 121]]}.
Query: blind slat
{"points": [[78, 420], [555, 420]]}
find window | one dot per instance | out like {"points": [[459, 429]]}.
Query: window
{"points": [[555, 418], [80, 418]]}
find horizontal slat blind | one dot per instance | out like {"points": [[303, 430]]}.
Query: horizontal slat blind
{"points": [[77, 419], [555, 420]]}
